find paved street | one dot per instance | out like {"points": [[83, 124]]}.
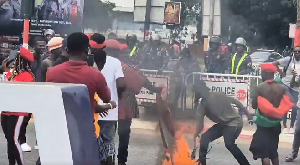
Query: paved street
{"points": [[144, 148]]}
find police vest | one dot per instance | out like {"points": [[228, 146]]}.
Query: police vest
{"points": [[133, 51], [247, 49], [238, 65]]}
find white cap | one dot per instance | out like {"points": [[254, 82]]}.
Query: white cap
{"points": [[49, 32]]}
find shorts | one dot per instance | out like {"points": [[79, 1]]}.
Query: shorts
{"points": [[106, 139], [265, 141]]}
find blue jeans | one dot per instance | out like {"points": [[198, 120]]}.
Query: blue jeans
{"points": [[106, 138], [294, 110]]}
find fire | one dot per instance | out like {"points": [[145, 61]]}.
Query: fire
{"points": [[181, 155]]}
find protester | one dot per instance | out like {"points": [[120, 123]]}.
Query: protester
{"points": [[217, 107], [291, 65], [55, 48], [271, 101], [77, 71], [64, 57], [113, 74], [38, 45], [128, 107], [11, 122]]}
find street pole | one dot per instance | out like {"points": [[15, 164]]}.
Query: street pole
{"points": [[297, 31], [211, 18], [147, 17]]}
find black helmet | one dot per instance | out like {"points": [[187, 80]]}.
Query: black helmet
{"points": [[132, 38]]}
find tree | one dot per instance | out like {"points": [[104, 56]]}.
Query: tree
{"points": [[190, 9], [266, 21], [98, 15]]}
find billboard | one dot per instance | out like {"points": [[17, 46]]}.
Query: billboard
{"points": [[172, 13], [10, 18], [62, 16]]}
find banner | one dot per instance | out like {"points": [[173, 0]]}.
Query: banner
{"points": [[231, 89], [172, 13], [62, 16]]}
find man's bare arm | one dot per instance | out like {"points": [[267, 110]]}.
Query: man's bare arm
{"points": [[200, 123], [240, 106]]}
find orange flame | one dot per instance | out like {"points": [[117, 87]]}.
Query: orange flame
{"points": [[181, 155]]}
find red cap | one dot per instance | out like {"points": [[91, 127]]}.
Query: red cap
{"points": [[95, 45], [26, 54], [113, 44], [268, 67]]}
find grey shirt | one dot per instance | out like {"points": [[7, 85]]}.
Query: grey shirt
{"points": [[217, 107]]}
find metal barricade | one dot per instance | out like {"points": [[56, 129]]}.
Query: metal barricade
{"points": [[165, 79], [237, 86]]}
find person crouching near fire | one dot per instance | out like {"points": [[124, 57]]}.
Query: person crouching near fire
{"points": [[271, 101], [11, 121]]}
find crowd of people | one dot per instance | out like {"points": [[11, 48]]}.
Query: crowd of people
{"points": [[113, 82], [230, 59]]}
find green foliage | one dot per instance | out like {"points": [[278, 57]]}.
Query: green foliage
{"points": [[190, 9], [98, 15], [260, 22]]}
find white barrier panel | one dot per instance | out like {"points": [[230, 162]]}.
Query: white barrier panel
{"points": [[62, 116], [232, 89], [158, 80], [237, 86]]}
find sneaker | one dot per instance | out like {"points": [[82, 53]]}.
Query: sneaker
{"points": [[36, 147], [292, 131], [25, 147], [285, 131], [291, 157]]}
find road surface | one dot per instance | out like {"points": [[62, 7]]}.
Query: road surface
{"points": [[144, 147]]}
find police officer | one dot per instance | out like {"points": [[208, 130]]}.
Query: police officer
{"points": [[213, 58], [241, 62], [131, 41], [155, 54]]}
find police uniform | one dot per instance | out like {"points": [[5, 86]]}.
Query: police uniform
{"points": [[240, 63]]}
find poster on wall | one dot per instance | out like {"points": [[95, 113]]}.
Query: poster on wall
{"points": [[10, 18], [62, 16], [172, 13]]}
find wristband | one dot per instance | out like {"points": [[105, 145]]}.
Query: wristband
{"points": [[111, 107]]}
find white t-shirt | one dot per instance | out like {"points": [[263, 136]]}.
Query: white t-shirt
{"points": [[294, 65], [112, 71]]}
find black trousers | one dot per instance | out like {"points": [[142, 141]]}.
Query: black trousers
{"points": [[22, 136], [124, 136], [230, 134], [11, 126]]}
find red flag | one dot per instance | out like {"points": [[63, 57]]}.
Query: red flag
{"points": [[297, 38]]}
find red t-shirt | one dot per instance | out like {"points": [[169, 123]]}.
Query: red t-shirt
{"points": [[22, 77], [78, 72]]}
